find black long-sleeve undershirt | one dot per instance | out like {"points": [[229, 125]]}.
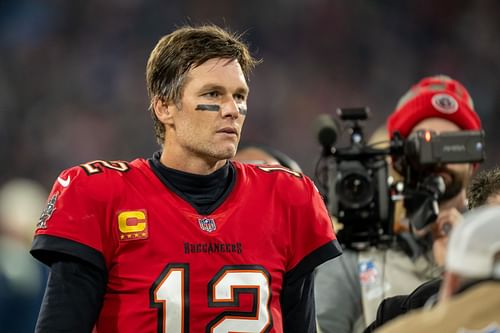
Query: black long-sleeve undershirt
{"points": [[73, 297]]}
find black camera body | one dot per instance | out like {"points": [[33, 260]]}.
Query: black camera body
{"points": [[360, 191], [428, 148]]}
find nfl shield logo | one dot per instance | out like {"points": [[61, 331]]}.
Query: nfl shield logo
{"points": [[207, 224]]}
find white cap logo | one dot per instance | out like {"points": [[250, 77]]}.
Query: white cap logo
{"points": [[444, 103]]}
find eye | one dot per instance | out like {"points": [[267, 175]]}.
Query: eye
{"points": [[240, 97], [212, 94]]}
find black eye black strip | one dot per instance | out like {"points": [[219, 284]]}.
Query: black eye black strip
{"points": [[216, 108], [208, 107]]}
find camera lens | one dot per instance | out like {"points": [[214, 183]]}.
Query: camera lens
{"points": [[354, 190]]}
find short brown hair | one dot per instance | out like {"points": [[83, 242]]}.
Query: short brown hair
{"points": [[484, 185], [187, 47]]}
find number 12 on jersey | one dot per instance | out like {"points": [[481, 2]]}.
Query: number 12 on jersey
{"points": [[170, 295]]}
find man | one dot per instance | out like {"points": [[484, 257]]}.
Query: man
{"points": [[262, 154], [349, 290], [470, 293], [186, 241], [484, 189]]}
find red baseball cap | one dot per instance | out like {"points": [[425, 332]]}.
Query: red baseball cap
{"points": [[435, 96]]}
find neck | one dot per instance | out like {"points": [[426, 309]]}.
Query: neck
{"points": [[199, 165]]}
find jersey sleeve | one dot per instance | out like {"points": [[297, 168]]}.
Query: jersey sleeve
{"points": [[312, 240], [338, 295], [74, 221]]}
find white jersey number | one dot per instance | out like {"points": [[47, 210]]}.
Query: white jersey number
{"points": [[170, 295]]}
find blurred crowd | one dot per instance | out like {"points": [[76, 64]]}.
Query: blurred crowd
{"points": [[22, 278], [72, 72], [72, 85]]}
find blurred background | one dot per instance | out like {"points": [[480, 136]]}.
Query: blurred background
{"points": [[72, 86]]}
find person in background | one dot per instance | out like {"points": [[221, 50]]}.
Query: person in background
{"points": [[484, 189], [22, 278], [263, 154], [186, 241], [350, 289], [469, 299]]}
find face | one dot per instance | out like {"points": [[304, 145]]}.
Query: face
{"points": [[255, 156], [455, 176], [207, 123]]}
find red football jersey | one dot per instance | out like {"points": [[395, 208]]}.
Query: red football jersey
{"points": [[173, 270]]}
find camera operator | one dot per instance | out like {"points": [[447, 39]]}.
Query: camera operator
{"points": [[484, 189], [349, 290]]}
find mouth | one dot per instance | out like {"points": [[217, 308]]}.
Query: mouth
{"points": [[231, 131]]}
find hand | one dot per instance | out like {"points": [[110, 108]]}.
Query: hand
{"points": [[441, 229]]}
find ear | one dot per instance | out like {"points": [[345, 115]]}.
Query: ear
{"points": [[164, 110]]}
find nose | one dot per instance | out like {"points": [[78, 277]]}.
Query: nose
{"points": [[230, 109]]}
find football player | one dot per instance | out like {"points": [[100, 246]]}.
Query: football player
{"points": [[186, 241]]}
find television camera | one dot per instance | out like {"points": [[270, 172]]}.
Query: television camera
{"points": [[357, 185]]}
